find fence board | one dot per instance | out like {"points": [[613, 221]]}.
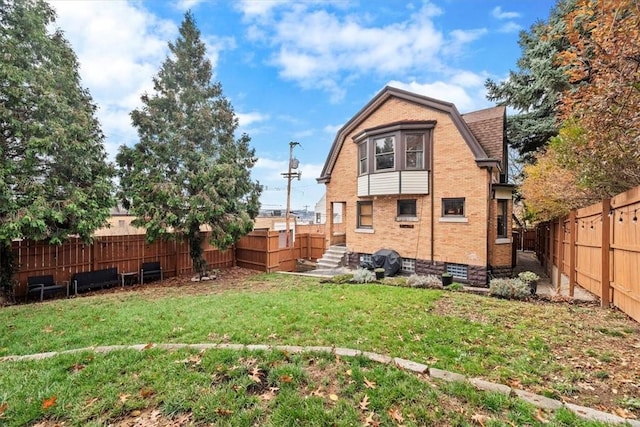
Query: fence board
{"points": [[605, 250]]}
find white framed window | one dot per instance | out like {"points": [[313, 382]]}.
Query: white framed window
{"points": [[459, 271], [385, 152], [363, 158], [408, 265]]}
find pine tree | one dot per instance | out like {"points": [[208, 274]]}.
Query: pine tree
{"points": [[188, 170], [54, 178], [535, 89]]}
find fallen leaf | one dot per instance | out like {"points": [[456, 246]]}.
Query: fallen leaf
{"points": [[48, 329], [48, 403], [369, 384], [123, 398], [395, 414], [539, 415], [621, 412], [148, 346], [286, 379], [77, 367], [333, 397], [3, 408], [90, 402], [318, 392], [272, 336], [364, 403], [136, 413], [349, 372], [369, 421], [480, 419], [255, 375], [146, 392], [224, 412]]}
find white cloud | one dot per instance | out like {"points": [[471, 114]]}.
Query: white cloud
{"points": [[188, 4], [464, 96], [498, 13], [120, 47], [510, 27], [247, 119], [319, 49], [332, 129], [270, 164]]}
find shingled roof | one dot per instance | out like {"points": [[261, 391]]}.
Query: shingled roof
{"points": [[488, 127], [483, 157]]}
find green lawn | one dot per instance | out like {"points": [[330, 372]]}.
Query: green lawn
{"points": [[516, 343]]}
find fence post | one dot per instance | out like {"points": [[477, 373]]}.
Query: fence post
{"points": [[572, 251], [606, 240], [560, 255]]}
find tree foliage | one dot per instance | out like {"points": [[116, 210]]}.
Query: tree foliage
{"points": [[54, 178], [602, 111], [188, 170], [535, 88]]}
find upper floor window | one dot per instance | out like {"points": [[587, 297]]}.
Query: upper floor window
{"points": [[385, 152], [414, 154], [363, 158], [453, 207]]}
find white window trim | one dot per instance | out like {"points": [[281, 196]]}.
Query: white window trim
{"points": [[364, 230], [458, 219], [407, 219], [503, 241]]}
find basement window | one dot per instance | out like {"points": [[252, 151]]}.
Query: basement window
{"points": [[459, 271]]}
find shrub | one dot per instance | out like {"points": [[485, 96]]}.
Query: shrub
{"points": [[509, 288], [454, 287], [342, 278], [362, 275], [528, 276], [430, 281]]}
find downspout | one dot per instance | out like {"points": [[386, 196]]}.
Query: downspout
{"points": [[431, 156], [489, 199]]}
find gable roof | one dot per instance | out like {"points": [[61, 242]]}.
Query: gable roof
{"points": [[488, 127], [391, 92]]}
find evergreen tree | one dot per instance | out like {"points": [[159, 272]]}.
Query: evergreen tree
{"points": [[54, 178], [188, 170], [535, 89]]}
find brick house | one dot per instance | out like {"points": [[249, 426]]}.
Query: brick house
{"points": [[410, 173]]}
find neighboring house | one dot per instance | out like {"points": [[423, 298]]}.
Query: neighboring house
{"points": [[321, 212], [119, 224], [410, 173]]}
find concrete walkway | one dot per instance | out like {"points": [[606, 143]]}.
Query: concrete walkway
{"points": [[527, 261]]}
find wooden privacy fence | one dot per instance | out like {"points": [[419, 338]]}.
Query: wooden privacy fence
{"points": [[261, 250], [126, 253], [258, 251], [597, 248]]}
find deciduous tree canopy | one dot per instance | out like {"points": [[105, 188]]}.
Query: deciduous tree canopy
{"points": [[188, 170]]}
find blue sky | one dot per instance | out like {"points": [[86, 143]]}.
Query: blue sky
{"points": [[297, 71]]}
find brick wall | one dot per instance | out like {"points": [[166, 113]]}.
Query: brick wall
{"points": [[455, 174]]}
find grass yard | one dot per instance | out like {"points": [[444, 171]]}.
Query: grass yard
{"points": [[576, 353]]}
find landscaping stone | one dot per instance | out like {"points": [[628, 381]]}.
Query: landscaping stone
{"points": [[446, 375], [410, 365], [348, 352], [483, 385], [291, 348], [230, 346], [537, 400], [592, 414], [258, 347], [375, 357], [319, 349]]}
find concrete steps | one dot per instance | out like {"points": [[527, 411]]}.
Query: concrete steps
{"points": [[333, 258]]}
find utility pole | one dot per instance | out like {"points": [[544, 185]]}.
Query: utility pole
{"points": [[293, 164]]}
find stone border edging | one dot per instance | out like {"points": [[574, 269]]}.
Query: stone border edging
{"points": [[408, 365]]}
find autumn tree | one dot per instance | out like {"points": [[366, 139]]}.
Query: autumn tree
{"points": [[54, 178], [602, 111], [188, 170]]}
